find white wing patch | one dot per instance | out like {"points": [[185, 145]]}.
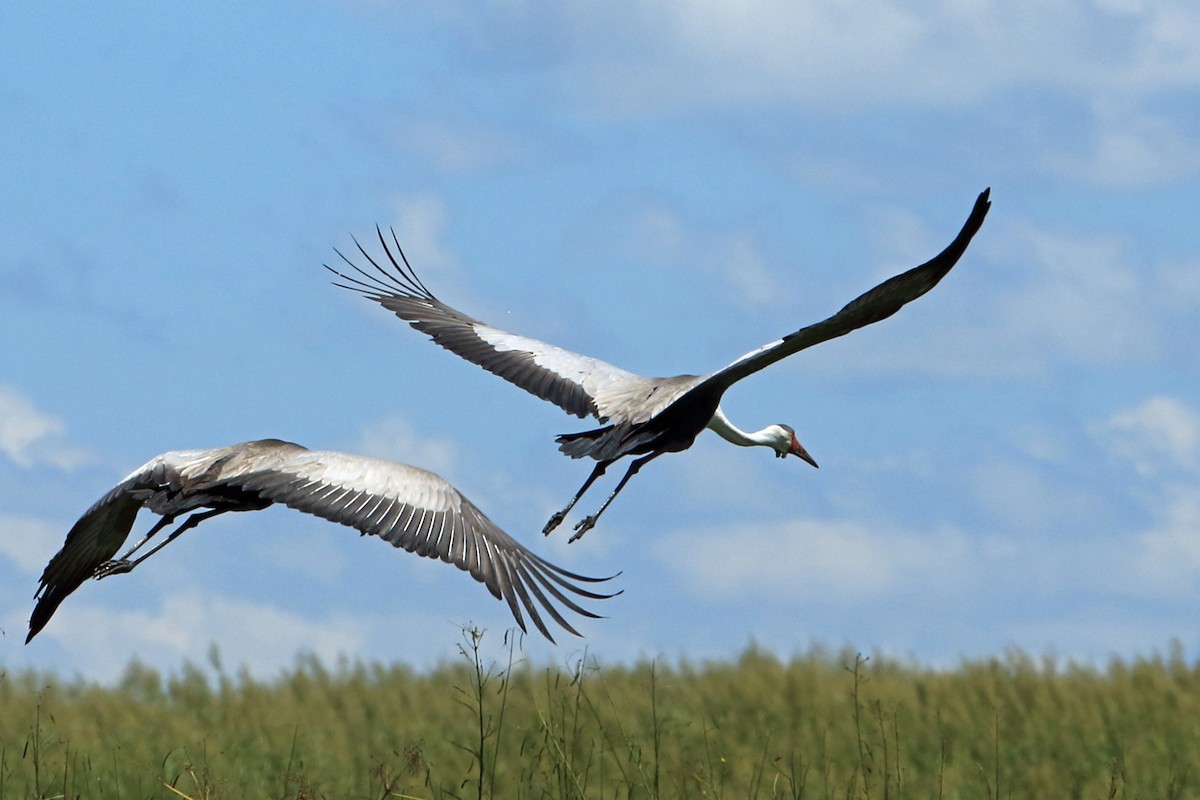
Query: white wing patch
{"points": [[592, 374], [619, 396], [375, 476], [752, 354], [639, 399]]}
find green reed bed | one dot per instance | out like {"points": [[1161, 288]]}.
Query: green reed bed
{"points": [[820, 725]]}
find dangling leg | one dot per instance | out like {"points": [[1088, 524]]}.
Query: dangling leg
{"points": [[559, 516], [587, 523], [158, 526], [123, 564]]}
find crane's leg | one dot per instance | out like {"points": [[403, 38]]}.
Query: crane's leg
{"points": [[559, 516], [587, 523], [123, 564], [158, 526]]}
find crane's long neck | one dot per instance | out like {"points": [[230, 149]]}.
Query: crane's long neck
{"points": [[732, 433]]}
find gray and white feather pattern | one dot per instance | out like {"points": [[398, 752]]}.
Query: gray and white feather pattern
{"points": [[407, 506], [642, 416]]}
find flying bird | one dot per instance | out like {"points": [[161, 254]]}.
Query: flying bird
{"points": [[409, 507], [640, 416]]}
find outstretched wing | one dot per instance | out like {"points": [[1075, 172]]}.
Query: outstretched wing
{"points": [[569, 380], [94, 539], [409, 507], [879, 303], [420, 512]]}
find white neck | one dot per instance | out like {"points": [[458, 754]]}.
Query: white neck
{"points": [[732, 433]]}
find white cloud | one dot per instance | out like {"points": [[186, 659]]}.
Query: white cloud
{"points": [[1163, 43], [1162, 433], [420, 221], [29, 542], [1160, 438], [1129, 149], [747, 273], [701, 53], [1181, 282], [313, 551], [661, 235], [654, 57], [843, 562], [1085, 301], [1025, 497], [1113, 60], [261, 637], [31, 437], [394, 438], [1167, 560], [1039, 299], [456, 148]]}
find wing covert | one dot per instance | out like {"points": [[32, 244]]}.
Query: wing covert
{"points": [[567, 379], [422, 513]]}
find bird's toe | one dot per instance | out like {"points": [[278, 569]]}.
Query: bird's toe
{"points": [[115, 567], [554, 522], [583, 526]]}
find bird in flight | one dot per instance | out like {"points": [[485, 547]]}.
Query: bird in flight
{"points": [[640, 416], [409, 507]]}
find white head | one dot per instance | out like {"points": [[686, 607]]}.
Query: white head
{"points": [[783, 441]]}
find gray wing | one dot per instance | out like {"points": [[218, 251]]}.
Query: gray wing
{"points": [[407, 506], [420, 512], [877, 304], [569, 380], [93, 539]]}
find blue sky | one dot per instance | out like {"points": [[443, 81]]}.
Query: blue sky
{"points": [[1014, 460]]}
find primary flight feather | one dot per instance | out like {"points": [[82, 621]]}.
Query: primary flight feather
{"points": [[642, 416], [407, 506]]}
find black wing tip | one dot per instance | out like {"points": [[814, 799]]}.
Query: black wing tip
{"points": [[47, 604], [401, 281], [344, 281], [944, 261], [575, 576], [527, 575], [37, 623], [983, 204], [979, 211]]}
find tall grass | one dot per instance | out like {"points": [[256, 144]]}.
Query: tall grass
{"points": [[820, 725]]}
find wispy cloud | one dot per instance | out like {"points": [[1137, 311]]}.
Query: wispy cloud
{"points": [[260, 637], [31, 437], [420, 226], [1040, 298], [456, 147], [664, 56], [1113, 61], [1166, 562], [1084, 298], [1128, 149], [395, 438], [662, 235], [29, 541], [1160, 434], [839, 561]]}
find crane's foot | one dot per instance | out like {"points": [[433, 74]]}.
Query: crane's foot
{"points": [[583, 526], [117, 567], [554, 522]]}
